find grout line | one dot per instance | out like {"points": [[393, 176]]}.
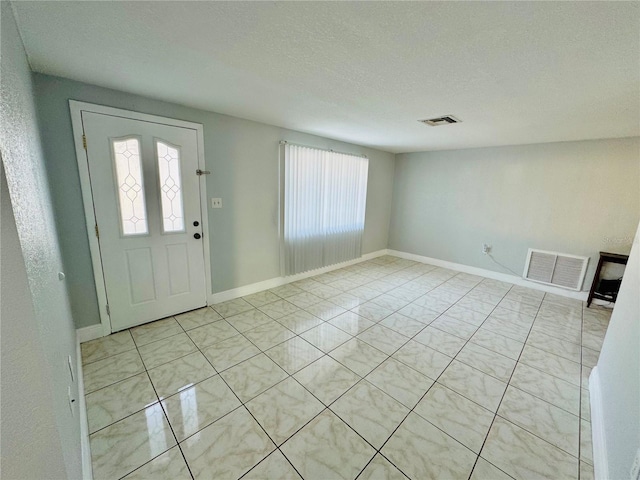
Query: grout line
{"points": [[164, 413], [502, 398]]}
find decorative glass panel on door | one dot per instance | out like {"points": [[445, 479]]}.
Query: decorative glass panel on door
{"points": [[170, 187], [130, 183]]}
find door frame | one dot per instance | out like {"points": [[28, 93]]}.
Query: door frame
{"points": [[76, 108]]}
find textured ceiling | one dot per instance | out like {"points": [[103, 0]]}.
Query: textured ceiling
{"points": [[364, 72]]}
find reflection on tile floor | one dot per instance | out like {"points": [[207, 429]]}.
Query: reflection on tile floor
{"points": [[385, 369]]}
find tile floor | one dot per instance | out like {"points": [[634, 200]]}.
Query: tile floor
{"points": [[385, 369]]}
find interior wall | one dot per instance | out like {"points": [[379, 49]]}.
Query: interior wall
{"points": [[572, 197], [243, 158], [28, 421], [619, 373], [40, 436]]}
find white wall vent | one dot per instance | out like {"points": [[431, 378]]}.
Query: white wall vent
{"points": [[553, 268]]}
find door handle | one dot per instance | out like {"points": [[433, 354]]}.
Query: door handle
{"points": [[197, 236]]}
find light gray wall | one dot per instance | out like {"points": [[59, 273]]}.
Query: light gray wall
{"points": [[571, 197], [39, 436], [619, 372], [28, 420], [243, 158]]}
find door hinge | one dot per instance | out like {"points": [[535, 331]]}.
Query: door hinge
{"points": [[97, 231], [84, 141], [108, 310], [202, 172]]}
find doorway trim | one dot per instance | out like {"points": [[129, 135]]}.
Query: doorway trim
{"points": [[76, 108]]}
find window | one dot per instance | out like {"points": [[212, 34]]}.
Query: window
{"points": [[133, 210], [170, 187], [324, 207]]}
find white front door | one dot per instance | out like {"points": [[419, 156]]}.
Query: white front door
{"points": [[146, 197]]}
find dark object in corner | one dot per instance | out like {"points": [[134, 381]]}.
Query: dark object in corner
{"points": [[606, 289], [609, 288]]}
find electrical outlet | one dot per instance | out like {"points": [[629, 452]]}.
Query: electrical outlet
{"points": [[216, 203], [486, 249]]}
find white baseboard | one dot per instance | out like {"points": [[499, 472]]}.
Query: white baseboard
{"points": [[89, 333], [503, 277], [600, 462], [278, 281], [85, 446]]}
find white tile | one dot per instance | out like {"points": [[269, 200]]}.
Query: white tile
{"points": [[441, 341], [212, 333], [268, 335], [370, 412], [425, 360], [106, 346], [162, 351], [547, 387], [404, 325], [326, 337], [383, 338], [275, 466], [150, 332], [523, 455], [249, 319], [400, 381], [227, 448], [478, 387], [111, 369], [487, 361], [198, 318], [279, 309], [253, 376], [486, 471], [180, 373], [230, 352], [168, 466], [327, 379], [232, 307], [422, 451], [456, 415], [327, 448], [294, 354], [381, 469], [192, 409], [113, 403], [351, 323], [261, 298], [130, 443], [284, 408], [556, 426], [358, 356], [299, 321]]}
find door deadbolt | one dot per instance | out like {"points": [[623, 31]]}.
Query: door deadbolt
{"points": [[196, 223]]}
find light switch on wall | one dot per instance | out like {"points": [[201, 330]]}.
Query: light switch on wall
{"points": [[216, 203]]}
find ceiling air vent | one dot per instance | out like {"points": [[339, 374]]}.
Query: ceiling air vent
{"points": [[445, 120], [558, 269]]}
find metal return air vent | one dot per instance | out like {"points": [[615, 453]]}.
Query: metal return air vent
{"points": [[558, 269], [444, 120]]}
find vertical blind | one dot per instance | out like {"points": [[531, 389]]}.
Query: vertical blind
{"points": [[324, 206]]}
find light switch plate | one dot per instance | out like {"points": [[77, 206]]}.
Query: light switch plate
{"points": [[216, 203]]}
